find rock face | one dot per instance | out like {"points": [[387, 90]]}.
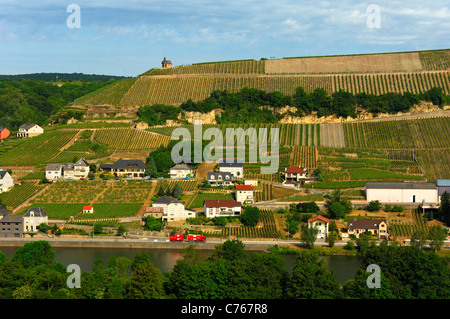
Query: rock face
{"points": [[206, 118]]}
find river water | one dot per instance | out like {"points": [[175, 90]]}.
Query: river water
{"points": [[344, 267]]}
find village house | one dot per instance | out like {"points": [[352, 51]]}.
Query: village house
{"points": [[4, 133], [6, 181], [29, 130], [221, 208], [88, 209], [33, 218], [244, 194], [173, 209], [295, 174], [401, 192], [141, 126], [78, 170], [53, 172], [321, 224], [181, 171], [378, 227], [235, 168], [220, 178], [125, 168], [11, 226]]}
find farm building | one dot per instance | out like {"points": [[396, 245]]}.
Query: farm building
{"points": [[321, 223], [220, 178], [156, 212], [88, 209], [377, 227], [29, 130], [244, 194], [4, 133], [401, 192], [181, 171], [221, 207], [443, 185], [53, 172], [235, 168]]}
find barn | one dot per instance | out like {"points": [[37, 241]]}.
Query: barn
{"points": [[443, 185], [401, 192]]}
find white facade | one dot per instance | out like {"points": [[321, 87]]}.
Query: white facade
{"points": [[221, 208], [173, 210], [53, 172], [180, 171], [321, 224], [29, 130], [6, 181], [253, 182], [78, 170], [244, 196], [33, 218], [402, 192]]}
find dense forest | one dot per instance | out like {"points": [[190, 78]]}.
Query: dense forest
{"points": [[251, 105], [35, 101], [229, 272]]}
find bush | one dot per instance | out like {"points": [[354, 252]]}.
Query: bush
{"points": [[374, 206], [350, 246]]}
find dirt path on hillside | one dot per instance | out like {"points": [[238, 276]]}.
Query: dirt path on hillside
{"points": [[204, 168]]}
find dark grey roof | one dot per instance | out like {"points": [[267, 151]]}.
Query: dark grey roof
{"points": [[53, 167], [364, 223], [231, 164], [166, 200], [12, 219], [182, 166], [4, 211], [27, 126], [121, 163], [2, 174], [166, 61], [401, 185], [38, 212], [225, 175], [71, 166]]}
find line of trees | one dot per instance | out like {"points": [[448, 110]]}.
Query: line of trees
{"points": [[230, 272]]}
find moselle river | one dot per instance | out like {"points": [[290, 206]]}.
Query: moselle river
{"points": [[344, 267]]}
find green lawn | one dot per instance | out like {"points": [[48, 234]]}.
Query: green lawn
{"points": [[59, 211], [112, 211], [199, 199]]}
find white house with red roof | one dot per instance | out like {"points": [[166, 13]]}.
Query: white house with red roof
{"points": [[221, 207], [296, 174], [88, 209], [244, 194], [321, 223]]}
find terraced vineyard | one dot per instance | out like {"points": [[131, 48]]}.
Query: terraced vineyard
{"points": [[20, 193], [130, 139], [406, 229], [427, 133], [268, 229], [37, 150], [305, 156]]}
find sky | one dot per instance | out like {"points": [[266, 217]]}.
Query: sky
{"points": [[127, 38]]}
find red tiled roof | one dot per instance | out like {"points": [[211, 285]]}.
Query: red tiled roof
{"points": [[319, 217], [244, 187], [294, 169], [222, 203], [87, 207]]}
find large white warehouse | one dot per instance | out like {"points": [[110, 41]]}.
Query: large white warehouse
{"points": [[402, 192]]}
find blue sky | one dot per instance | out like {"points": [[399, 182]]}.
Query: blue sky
{"points": [[130, 37]]}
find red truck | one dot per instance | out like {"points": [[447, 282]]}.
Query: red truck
{"points": [[180, 237]]}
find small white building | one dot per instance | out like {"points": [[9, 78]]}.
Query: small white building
{"points": [[173, 209], [53, 172], [6, 181], [77, 170], [235, 168], [181, 171], [88, 209], [29, 130], [33, 218], [221, 207], [253, 182], [401, 192], [244, 194], [321, 223]]}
